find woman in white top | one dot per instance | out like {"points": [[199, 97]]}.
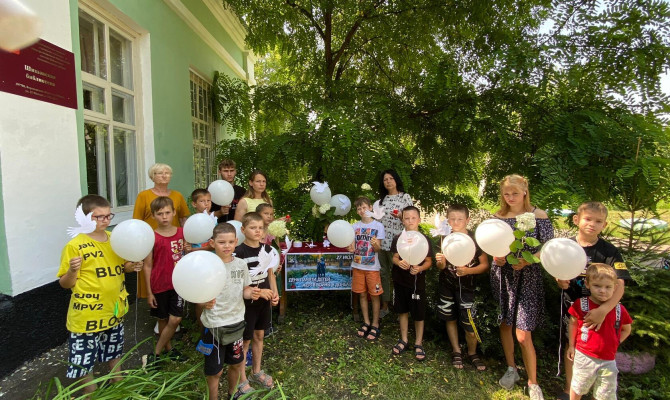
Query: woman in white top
{"points": [[393, 198]]}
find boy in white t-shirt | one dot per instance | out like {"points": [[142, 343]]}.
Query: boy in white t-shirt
{"points": [[366, 276], [224, 318]]}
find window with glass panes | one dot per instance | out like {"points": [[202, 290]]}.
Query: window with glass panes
{"points": [[110, 130], [202, 124]]}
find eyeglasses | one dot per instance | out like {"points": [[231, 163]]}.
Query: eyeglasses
{"points": [[163, 173], [101, 218]]}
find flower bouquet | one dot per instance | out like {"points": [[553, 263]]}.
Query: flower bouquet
{"points": [[525, 224]]}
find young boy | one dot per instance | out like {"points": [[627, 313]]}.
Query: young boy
{"points": [[409, 288], [366, 276], [228, 170], [267, 212], [165, 303], [457, 292], [591, 219], [99, 301], [201, 200], [224, 319], [257, 312], [593, 351]]}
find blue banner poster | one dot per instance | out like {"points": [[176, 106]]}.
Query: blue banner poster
{"points": [[318, 271]]}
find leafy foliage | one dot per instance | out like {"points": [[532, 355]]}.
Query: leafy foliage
{"points": [[453, 95]]}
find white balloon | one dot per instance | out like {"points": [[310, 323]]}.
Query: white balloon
{"points": [[198, 228], [132, 240], [563, 258], [238, 231], [322, 197], [222, 192], [340, 233], [459, 249], [20, 27], [341, 203], [494, 237], [412, 247], [199, 276]]}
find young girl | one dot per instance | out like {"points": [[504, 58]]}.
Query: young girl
{"points": [[519, 287], [255, 195]]}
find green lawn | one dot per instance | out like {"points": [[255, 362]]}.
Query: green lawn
{"points": [[315, 354]]}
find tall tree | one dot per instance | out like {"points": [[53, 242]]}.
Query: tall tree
{"points": [[447, 93]]}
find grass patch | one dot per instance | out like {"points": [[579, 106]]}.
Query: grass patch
{"points": [[315, 354]]}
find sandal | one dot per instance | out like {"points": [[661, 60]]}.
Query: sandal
{"points": [[241, 391], [373, 333], [477, 362], [419, 353], [363, 330], [262, 379], [457, 360], [397, 350]]}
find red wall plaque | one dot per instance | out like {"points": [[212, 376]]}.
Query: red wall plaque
{"points": [[42, 71]]}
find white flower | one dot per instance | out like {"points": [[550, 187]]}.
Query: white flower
{"points": [[365, 186], [323, 208], [315, 211], [525, 221], [277, 228]]}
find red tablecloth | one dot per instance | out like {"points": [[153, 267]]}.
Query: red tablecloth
{"points": [[318, 248]]}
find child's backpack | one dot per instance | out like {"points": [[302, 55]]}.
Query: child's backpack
{"points": [[584, 303]]}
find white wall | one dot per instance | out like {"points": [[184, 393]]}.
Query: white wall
{"points": [[40, 168]]}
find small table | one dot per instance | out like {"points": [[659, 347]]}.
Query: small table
{"points": [[314, 268]]}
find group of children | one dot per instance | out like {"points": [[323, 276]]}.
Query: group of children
{"points": [[237, 319], [592, 296]]}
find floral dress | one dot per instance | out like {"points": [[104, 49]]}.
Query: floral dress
{"points": [[392, 225], [522, 290]]}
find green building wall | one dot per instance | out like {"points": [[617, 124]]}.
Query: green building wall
{"points": [[175, 48]]}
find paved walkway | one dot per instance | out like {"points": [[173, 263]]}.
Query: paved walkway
{"points": [[36, 373]]}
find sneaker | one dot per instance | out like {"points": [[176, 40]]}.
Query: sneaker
{"points": [[535, 392], [269, 332], [150, 362], [510, 378], [176, 355], [249, 358], [383, 313]]}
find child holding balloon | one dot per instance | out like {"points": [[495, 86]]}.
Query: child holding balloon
{"points": [[201, 200], [224, 318], [165, 303], [591, 219], [95, 274], [519, 287], [409, 280], [457, 289], [257, 312]]}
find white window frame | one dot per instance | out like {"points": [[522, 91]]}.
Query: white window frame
{"points": [[211, 174], [110, 21]]}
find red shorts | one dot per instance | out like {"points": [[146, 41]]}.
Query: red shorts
{"points": [[366, 281]]}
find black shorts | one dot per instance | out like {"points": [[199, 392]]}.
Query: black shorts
{"points": [[231, 354], [456, 304], [405, 300], [258, 316], [169, 303]]}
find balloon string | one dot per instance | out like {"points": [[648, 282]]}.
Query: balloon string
{"points": [[137, 300], [560, 338]]}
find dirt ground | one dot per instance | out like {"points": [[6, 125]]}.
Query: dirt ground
{"points": [[24, 382]]}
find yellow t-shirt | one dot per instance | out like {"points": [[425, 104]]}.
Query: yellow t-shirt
{"points": [[143, 207], [99, 298]]}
